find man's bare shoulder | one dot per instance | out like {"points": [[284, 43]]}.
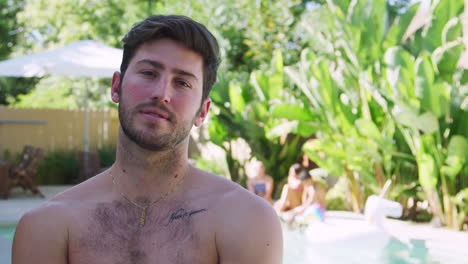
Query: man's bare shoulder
{"points": [[48, 222], [247, 227], [227, 192], [60, 206], [94, 189]]}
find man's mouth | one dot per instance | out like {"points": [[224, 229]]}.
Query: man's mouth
{"points": [[155, 113]]}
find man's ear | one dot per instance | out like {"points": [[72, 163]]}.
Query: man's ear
{"points": [[115, 87], [205, 107]]}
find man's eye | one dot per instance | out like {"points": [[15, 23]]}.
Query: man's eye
{"points": [[184, 84], [148, 73]]}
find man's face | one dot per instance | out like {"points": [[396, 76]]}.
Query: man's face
{"points": [[160, 94]]}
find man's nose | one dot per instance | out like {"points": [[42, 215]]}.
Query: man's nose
{"points": [[161, 91]]}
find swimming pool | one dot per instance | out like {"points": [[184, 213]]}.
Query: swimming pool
{"points": [[7, 232], [299, 250], [6, 239]]}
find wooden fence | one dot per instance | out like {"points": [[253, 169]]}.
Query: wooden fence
{"points": [[56, 129]]}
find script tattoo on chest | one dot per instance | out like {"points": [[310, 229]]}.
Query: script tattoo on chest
{"points": [[182, 214]]}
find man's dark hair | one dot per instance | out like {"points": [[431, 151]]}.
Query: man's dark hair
{"points": [[191, 34]]}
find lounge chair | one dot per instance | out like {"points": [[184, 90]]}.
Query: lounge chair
{"points": [[22, 175]]}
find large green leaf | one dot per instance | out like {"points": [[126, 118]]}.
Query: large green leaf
{"points": [[305, 129], [301, 83], [405, 117], [452, 31], [257, 112], [457, 155], [360, 12], [427, 123], [252, 132], [400, 71], [276, 79], [446, 58], [443, 12], [278, 62], [331, 163], [217, 131], [424, 75], [275, 85], [400, 25], [367, 128], [342, 4], [236, 99], [436, 98], [461, 198], [307, 82], [378, 20], [220, 92], [460, 119], [464, 77], [292, 112], [259, 81], [369, 17], [427, 170], [326, 87], [349, 46]]}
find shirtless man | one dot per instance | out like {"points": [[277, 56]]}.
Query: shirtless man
{"points": [[152, 206]]}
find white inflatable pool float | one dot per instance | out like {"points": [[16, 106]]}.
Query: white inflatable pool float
{"points": [[363, 234]]}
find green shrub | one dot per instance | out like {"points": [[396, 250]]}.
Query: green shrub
{"points": [[107, 155], [58, 167], [337, 196], [62, 166], [214, 166], [7, 156]]}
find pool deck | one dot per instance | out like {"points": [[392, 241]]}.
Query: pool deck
{"points": [[451, 242]]}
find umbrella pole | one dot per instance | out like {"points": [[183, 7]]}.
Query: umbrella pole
{"points": [[86, 155], [86, 117], [86, 130]]}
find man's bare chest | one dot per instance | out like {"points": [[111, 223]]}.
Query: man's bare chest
{"points": [[112, 233]]}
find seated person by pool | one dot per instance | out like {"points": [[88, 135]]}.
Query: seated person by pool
{"points": [[262, 184], [313, 202], [291, 193]]}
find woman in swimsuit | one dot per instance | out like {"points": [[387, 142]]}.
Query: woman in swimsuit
{"points": [[262, 184], [313, 202], [291, 195]]}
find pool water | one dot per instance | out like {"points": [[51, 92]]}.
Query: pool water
{"points": [[7, 232], [299, 250]]}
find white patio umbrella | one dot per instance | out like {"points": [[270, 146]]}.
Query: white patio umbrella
{"points": [[84, 58]]}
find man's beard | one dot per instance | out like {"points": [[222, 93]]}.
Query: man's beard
{"points": [[149, 141]]}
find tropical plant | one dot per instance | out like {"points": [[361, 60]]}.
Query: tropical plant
{"points": [[250, 110], [430, 96], [383, 99], [10, 29], [336, 74]]}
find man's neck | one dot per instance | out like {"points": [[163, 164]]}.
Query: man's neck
{"points": [[142, 172]]}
